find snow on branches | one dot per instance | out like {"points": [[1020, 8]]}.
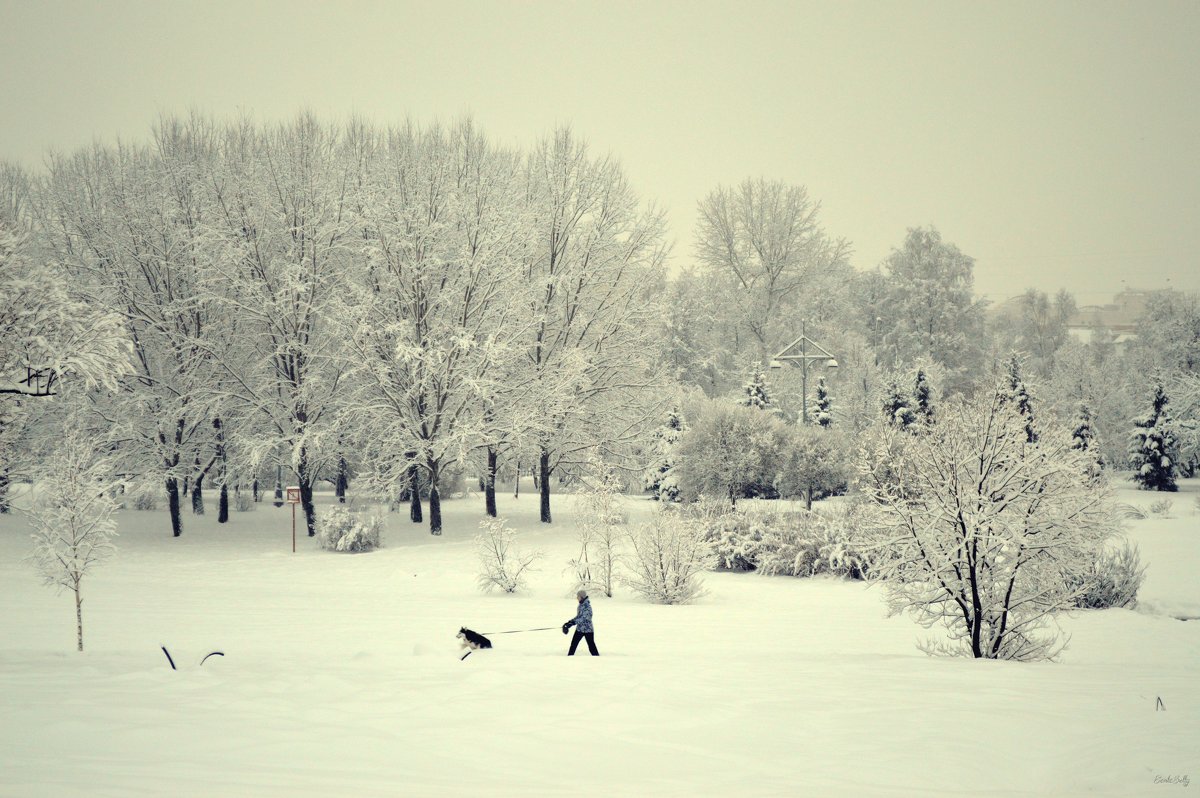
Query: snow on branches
{"points": [[72, 515], [983, 532]]}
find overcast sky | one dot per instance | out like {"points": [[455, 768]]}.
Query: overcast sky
{"points": [[1057, 143]]}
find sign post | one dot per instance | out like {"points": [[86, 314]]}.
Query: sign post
{"points": [[293, 498]]}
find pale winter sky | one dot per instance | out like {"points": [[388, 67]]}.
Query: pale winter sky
{"points": [[1056, 142]]}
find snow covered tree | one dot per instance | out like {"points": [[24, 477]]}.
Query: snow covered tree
{"points": [[660, 478], [48, 332], [763, 246], [1153, 446], [981, 532], [587, 349], [433, 310], [755, 390], [72, 516], [823, 414], [1017, 393], [896, 410], [1083, 438], [815, 459], [728, 451], [130, 224], [1035, 323], [930, 308], [284, 240], [924, 398]]}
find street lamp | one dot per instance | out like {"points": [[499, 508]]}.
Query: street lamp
{"points": [[800, 353]]}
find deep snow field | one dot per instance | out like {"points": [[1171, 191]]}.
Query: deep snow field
{"points": [[341, 677]]}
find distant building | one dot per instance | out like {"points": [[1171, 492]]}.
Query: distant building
{"points": [[1119, 319]]}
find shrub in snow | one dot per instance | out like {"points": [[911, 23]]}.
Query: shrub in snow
{"points": [[1162, 508], [1113, 581], [145, 501], [897, 410], [806, 543], [338, 529], [668, 553], [504, 564], [1152, 447], [72, 516], [983, 532], [735, 538], [243, 502], [600, 515]]}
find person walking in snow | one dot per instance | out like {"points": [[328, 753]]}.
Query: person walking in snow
{"points": [[583, 625]]}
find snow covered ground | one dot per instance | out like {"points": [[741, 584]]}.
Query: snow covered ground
{"points": [[341, 678]]}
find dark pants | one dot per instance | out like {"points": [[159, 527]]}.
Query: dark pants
{"points": [[591, 641]]}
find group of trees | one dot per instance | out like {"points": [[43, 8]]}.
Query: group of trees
{"points": [[328, 298]]}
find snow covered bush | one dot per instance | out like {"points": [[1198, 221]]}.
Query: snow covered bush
{"points": [[243, 502], [145, 501], [338, 529], [504, 564], [1113, 581], [1162, 508], [982, 531], [735, 537], [72, 516], [806, 543], [668, 554]]}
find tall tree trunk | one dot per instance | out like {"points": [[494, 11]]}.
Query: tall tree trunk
{"points": [[306, 492], [414, 495], [435, 500], [173, 506], [489, 482], [544, 484], [343, 480], [278, 486], [4, 482], [78, 617], [254, 489], [222, 474], [517, 482]]}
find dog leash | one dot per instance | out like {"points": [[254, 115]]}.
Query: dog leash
{"points": [[515, 631]]}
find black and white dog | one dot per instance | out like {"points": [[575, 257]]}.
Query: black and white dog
{"points": [[472, 641]]}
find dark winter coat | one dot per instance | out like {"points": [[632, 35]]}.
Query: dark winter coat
{"points": [[583, 619]]}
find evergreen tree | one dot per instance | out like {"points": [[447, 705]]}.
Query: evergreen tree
{"points": [[1084, 438], [1152, 447], [659, 478], [1018, 394], [755, 390], [824, 413], [924, 397], [896, 408]]}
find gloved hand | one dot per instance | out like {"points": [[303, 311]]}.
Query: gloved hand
{"points": [[565, 627]]}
